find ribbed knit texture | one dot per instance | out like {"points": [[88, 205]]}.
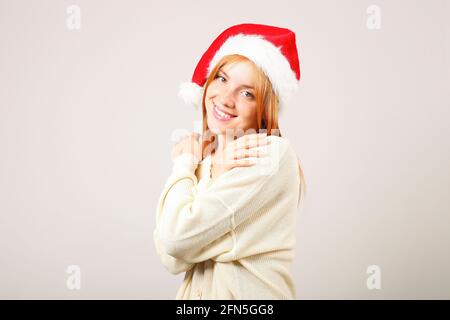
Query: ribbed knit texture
{"points": [[234, 236]]}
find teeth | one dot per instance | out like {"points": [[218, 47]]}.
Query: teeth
{"points": [[223, 114]]}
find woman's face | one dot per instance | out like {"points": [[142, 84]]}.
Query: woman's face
{"points": [[231, 92]]}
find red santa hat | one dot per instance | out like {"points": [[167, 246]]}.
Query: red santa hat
{"points": [[272, 49]]}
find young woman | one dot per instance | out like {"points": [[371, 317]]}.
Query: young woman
{"points": [[227, 213]]}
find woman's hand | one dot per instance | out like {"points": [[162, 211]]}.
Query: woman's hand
{"points": [[190, 144], [237, 153]]}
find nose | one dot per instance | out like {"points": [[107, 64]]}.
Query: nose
{"points": [[226, 98]]}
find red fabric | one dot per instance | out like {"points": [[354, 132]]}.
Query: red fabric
{"points": [[278, 36]]}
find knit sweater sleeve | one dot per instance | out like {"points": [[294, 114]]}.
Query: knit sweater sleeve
{"points": [[194, 226], [173, 265]]}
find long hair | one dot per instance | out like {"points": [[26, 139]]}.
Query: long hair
{"points": [[266, 110]]}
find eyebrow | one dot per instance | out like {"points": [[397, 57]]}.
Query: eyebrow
{"points": [[242, 86]]}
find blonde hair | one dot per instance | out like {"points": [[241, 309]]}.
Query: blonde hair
{"points": [[266, 101]]}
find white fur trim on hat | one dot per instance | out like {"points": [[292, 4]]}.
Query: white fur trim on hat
{"points": [[266, 56], [191, 93]]}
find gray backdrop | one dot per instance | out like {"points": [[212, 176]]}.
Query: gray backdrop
{"points": [[86, 118]]}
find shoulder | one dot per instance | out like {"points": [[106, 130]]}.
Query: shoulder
{"points": [[280, 156], [282, 148]]}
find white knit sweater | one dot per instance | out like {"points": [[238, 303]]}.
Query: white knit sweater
{"points": [[234, 236]]}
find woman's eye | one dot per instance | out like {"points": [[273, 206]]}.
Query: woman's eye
{"points": [[222, 79], [248, 94]]}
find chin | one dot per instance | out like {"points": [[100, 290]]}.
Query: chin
{"points": [[215, 130], [218, 129]]}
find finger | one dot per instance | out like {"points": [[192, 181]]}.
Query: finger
{"points": [[251, 142], [250, 137], [181, 138], [191, 136], [246, 162], [245, 153]]}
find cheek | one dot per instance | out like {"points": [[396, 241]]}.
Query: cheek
{"points": [[212, 91], [247, 111]]}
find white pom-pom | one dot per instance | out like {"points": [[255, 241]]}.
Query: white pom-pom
{"points": [[191, 93]]}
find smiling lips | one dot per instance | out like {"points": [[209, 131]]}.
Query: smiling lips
{"points": [[220, 115]]}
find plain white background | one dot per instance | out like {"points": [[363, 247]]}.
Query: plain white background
{"points": [[86, 118]]}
